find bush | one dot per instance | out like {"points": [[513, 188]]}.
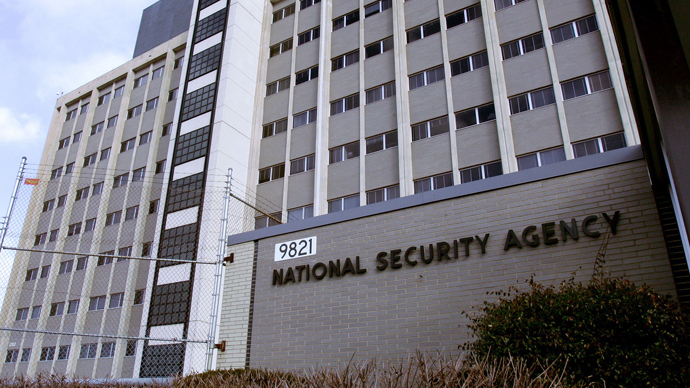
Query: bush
{"points": [[606, 331]]}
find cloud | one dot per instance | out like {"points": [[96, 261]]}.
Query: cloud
{"points": [[18, 128]]}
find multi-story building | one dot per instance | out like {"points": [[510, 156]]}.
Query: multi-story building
{"points": [[365, 127]]}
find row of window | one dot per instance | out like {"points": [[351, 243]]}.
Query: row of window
{"points": [[89, 350], [540, 158]]}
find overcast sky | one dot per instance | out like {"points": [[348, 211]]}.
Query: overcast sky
{"points": [[49, 47]]}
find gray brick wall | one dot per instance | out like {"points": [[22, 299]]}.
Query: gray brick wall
{"points": [[392, 313]]}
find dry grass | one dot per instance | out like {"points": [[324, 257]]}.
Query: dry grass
{"points": [[420, 370]]}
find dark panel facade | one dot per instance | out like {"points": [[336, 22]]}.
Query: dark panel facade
{"points": [[161, 22]]}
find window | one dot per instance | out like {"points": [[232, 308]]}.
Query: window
{"points": [[48, 205], [82, 193], [31, 274], [64, 142], [141, 81], [378, 47], [139, 296], [481, 172], [121, 180], [22, 314], [474, 116], [56, 173], [84, 108], [307, 36], [532, 100], [97, 188], [74, 229], [36, 312], [113, 218], [500, 4], [12, 355], [172, 95], [138, 174], [344, 203], [26, 355], [283, 12], [133, 112], [277, 86], [160, 167], [97, 128], [464, 16], [157, 73], [146, 249], [302, 164], [65, 267], [57, 309], [377, 7], [384, 194], [73, 306], [343, 152], [97, 302], [345, 104], [131, 349], [382, 142], [300, 213], [53, 235], [178, 62], [264, 221], [433, 183], [469, 63], [427, 77], [76, 137], [522, 46], [598, 145], [380, 92], [88, 351], [345, 20], [69, 168], [119, 91], [430, 128], [166, 129], [62, 200], [103, 99], [40, 239], [112, 121], [63, 352], [306, 75], [116, 300], [153, 206], [90, 225], [280, 48], [272, 173], [82, 262], [423, 31], [541, 158], [586, 85], [275, 127], [47, 353], [71, 114], [574, 29], [124, 253], [90, 159], [152, 104], [45, 271], [307, 3], [131, 213], [304, 118], [344, 60]]}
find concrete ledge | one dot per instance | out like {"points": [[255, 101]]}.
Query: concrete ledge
{"points": [[592, 162]]}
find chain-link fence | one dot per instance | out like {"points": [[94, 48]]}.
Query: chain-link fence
{"points": [[116, 277]]}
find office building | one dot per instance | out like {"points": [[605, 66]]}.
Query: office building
{"points": [[391, 162]]}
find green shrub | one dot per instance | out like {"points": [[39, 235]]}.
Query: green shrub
{"points": [[606, 331]]}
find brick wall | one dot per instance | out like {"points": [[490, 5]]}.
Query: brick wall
{"points": [[392, 313]]}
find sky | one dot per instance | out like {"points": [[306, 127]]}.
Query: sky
{"points": [[50, 47]]}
